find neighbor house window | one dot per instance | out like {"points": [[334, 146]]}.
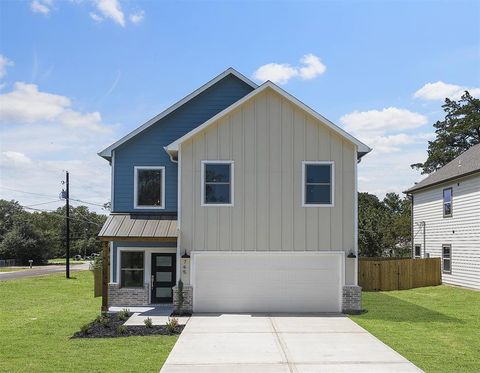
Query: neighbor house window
{"points": [[447, 258], [149, 187], [447, 202], [418, 251], [318, 183], [131, 269], [217, 183]]}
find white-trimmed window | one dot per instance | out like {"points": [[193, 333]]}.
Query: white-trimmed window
{"points": [[217, 183], [447, 258], [318, 183], [447, 202], [131, 269], [149, 187]]}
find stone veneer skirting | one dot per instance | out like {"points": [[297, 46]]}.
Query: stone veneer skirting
{"points": [[187, 299], [352, 299], [118, 296]]}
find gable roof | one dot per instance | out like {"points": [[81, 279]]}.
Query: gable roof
{"points": [[362, 148], [107, 152], [465, 164]]}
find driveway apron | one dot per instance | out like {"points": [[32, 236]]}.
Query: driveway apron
{"points": [[280, 343]]}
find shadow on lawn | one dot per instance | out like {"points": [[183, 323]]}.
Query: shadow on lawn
{"points": [[389, 308]]}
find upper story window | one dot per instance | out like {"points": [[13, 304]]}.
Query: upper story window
{"points": [[447, 202], [149, 187], [318, 183], [217, 183]]}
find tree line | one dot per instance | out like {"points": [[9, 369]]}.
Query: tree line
{"points": [[40, 235]]}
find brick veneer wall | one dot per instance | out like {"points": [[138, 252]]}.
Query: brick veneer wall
{"points": [[187, 298], [352, 299], [118, 296]]}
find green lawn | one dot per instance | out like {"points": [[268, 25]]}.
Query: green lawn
{"points": [[437, 328], [12, 269], [63, 261], [39, 314]]}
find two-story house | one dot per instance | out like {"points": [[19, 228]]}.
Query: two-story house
{"points": [[245, 194], [446, 218]]}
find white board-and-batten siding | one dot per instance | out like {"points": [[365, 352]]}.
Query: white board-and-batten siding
{"points": [[267, 138], [461, 231]]}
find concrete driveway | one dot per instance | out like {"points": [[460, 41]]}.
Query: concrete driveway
{"points": [[280, 343]]}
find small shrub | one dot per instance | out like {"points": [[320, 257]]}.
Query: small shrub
{"points": [[103, 320], [148, 322], [85, 329], [171, 325], [121, 329], [123, 314]]}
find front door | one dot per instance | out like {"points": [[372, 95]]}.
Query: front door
{"points": [[163, 277]]}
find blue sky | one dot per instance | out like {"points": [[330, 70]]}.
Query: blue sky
{"points": [[77, 75]]}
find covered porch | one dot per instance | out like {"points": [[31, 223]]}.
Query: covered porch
{"points": [[140, 259]]}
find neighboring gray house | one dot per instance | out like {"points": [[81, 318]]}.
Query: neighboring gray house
{"points": [[243, 192], [446, 218]]}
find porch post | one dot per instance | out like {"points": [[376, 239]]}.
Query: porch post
{"points": [[105, 274]]}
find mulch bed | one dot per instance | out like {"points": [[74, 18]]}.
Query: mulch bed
{"points": [[111, 327]]}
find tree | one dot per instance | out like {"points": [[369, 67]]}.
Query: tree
{"points": [[23, 242], [371, 219], [383, 226], [456, 133]]}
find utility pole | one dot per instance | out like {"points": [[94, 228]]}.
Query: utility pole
{"points": [[67, 223]]}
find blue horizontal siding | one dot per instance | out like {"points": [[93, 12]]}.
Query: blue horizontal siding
{"points": [[146, 148], [117, 244]]}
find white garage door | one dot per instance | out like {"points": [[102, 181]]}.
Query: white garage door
{"points": [[267, 282]]}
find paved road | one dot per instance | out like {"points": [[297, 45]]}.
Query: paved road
{"points": [[280, 344], [41, 270]]}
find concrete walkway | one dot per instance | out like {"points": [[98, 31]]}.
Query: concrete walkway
{"points": [[42, 270], [280, 343], [159, 314]]}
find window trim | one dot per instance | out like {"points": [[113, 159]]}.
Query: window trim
{"points": [[135, 188], [332, 183], [451, 202], [121, 252], [449, 259], [202, 183], [415, 256]]}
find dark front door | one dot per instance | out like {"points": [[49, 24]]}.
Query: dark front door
{"points": [[163, 277]]}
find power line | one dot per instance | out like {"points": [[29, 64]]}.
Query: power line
{"points": [[45, 195], [60, 215], [43, 203]]}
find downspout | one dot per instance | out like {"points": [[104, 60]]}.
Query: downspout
{"points": [[412, 247], [424, 239]]}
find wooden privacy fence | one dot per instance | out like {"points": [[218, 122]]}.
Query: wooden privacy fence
{"points": [[376, 274]]}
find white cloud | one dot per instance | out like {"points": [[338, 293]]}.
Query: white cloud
{"points": [[15, 158], [378, 122], [282, 73], [95, 17], [4, 63], [111, 9], [41, 6], [137, 17], [313, 67], [26, 104], [36, 150], [395, 143], [277, 73], [440, 90]]}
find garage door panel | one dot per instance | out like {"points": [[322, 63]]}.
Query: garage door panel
{"points": [[252, 282]]}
